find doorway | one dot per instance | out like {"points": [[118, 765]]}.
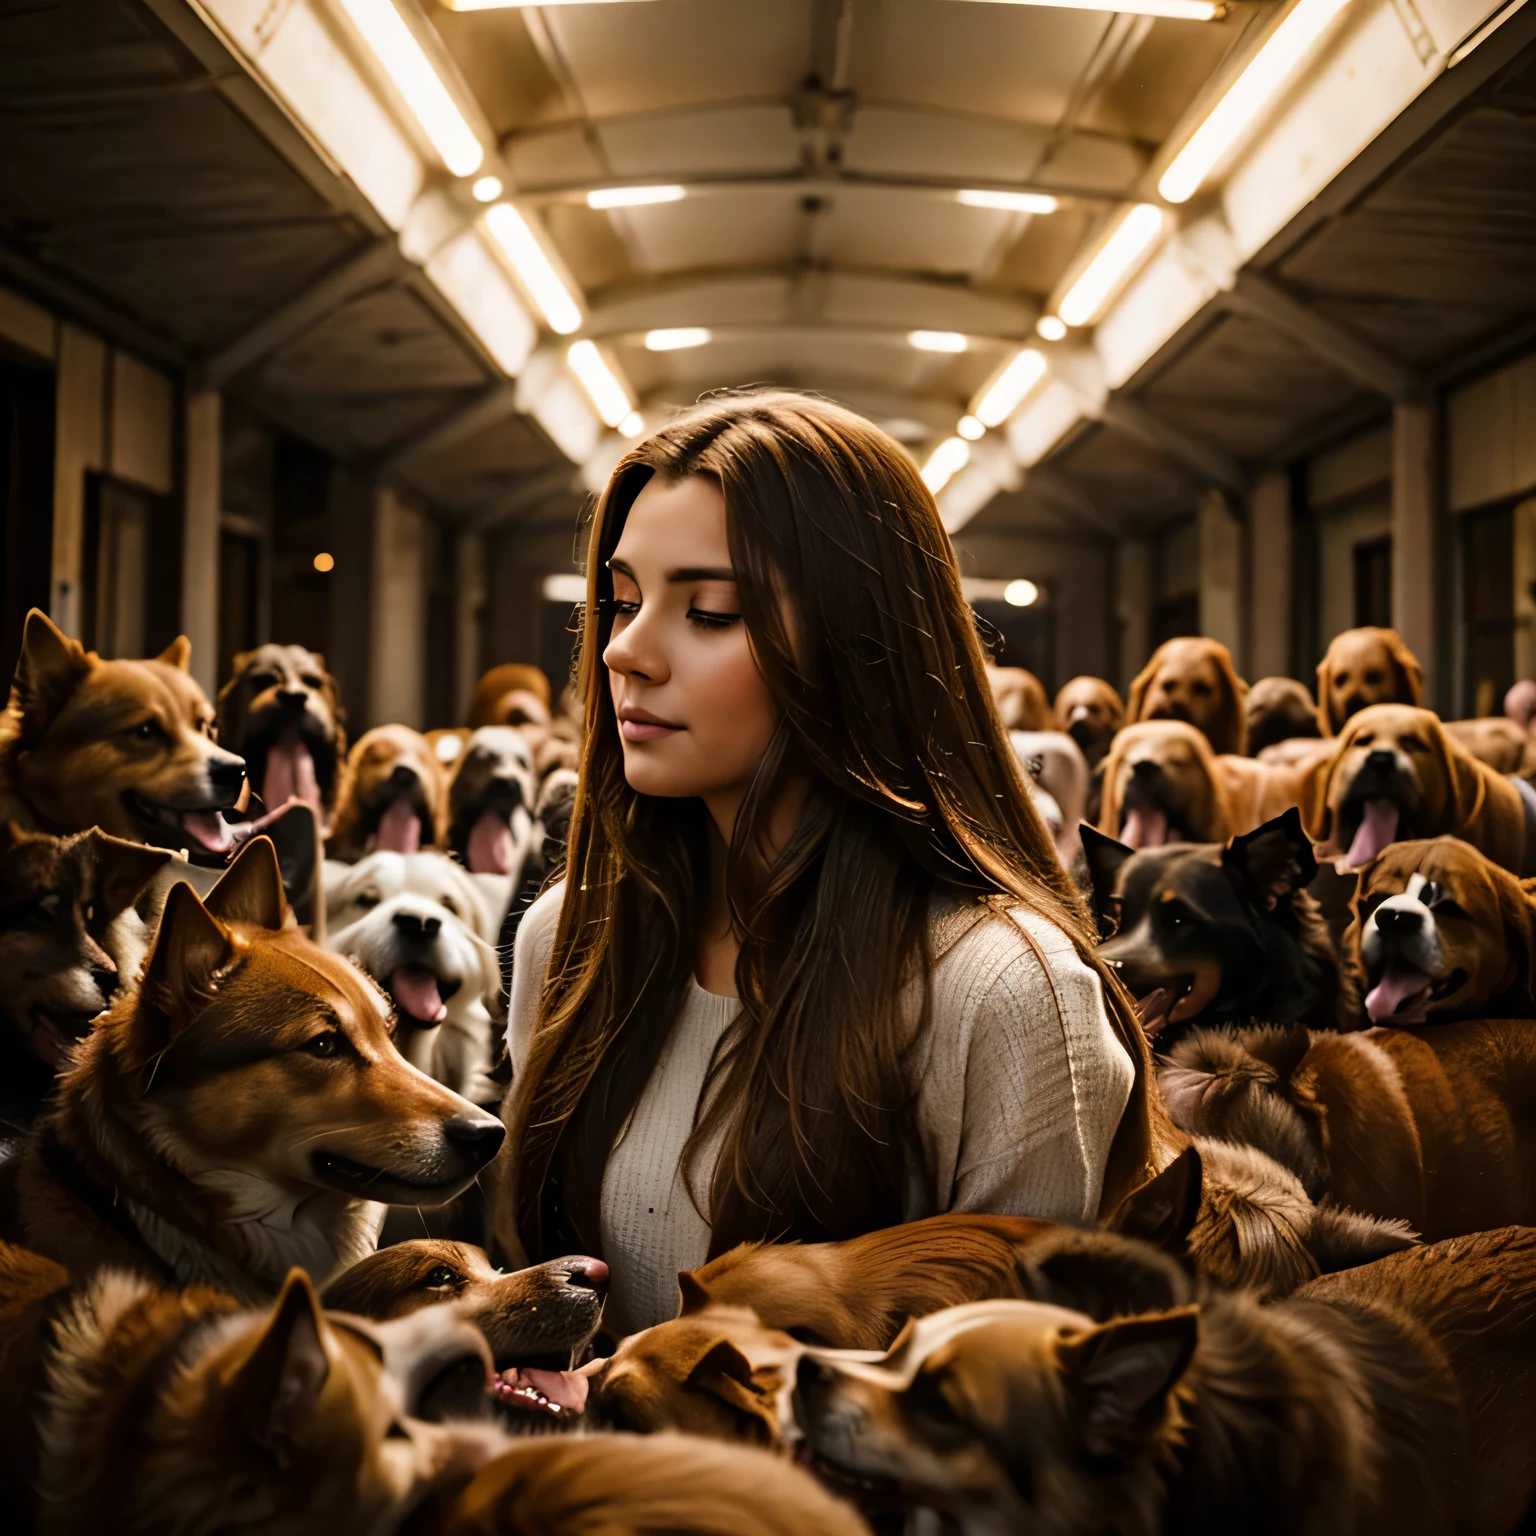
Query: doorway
{"points": [[1487, 608], [26, 500]]}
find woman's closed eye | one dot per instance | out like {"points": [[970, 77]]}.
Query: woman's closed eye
{"points": [[705, 618]]}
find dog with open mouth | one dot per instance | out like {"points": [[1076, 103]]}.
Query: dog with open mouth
{"points": [[537, 1322], [127, 746], [1206, 933], [244, 1111], [424, 928], [1396, 776], [393, 796], [490, 802], [1441, 932], [280, 710]]}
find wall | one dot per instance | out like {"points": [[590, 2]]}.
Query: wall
{"points": [[1490, 431]]}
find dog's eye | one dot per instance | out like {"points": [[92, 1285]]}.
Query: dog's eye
{"points": [[324, 1046], [1413, 744], [261, 681], [1446, 907], [147, 730], [365, 899], [1364, 739], [448, 905], [311, 681], [441, 1277], [1371, 678]]}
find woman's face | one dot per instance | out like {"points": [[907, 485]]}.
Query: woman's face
{"points": [[694, 712]]}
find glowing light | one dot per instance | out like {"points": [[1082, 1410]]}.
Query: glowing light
{"points": [[486, 190], [676, 338], [1009, 202], [1129, 240], [633, 197], [1050, 327], [945, 462], [325, 562], [970, 429], [937, 341], [608, 396], [632, 425], [1177, 10], [544, 284], [1020, 593], [1001, 398]]}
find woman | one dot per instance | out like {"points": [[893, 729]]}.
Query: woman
{"points": [[814, 969]]}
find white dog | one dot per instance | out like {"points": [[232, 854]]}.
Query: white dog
{"points": [[424, 928]]}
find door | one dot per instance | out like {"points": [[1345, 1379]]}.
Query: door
{"points": [[1488, 608]]}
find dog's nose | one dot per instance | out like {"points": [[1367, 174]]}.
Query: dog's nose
{"points": [[477, 1141], [590, 1274], [403, 777], [415, 927], [1402, 920], [1381, 760], [291, 698], [1144, 769], [226, 772]]}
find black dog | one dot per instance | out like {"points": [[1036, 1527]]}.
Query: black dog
{"points": [[1207, 934]]}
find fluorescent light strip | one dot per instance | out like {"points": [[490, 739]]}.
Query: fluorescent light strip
{"points": [[394, 45], [1001, 398], [544, 284], [676, 338], [608, 396], [945, 462], [937, 341], [1136, 232], [1178, 10], [634, 197], [1009, 202], [515, 5], [1246, 97], [970, 429]]}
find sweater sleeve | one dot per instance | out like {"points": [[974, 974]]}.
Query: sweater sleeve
{"points": [[530, 965]]}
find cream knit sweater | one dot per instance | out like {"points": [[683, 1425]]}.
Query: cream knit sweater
{"points": [[1019, 1080]]}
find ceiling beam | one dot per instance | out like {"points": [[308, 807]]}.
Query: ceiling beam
{"points": [[493, 404], [543, 486], [1210, 463]]}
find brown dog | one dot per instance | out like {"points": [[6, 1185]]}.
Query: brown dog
{"points": [[1020, 698], [1441, 932], [393, 796], [281, 712], [1368, 1405], [126, 746], [1193, 680], [1279, 709], [1090, 712], [1364, 667], [1498, 741], [511, 694], [1394, 774], [242, 1112]]}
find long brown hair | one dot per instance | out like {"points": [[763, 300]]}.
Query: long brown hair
{"points": [[851, 599]]}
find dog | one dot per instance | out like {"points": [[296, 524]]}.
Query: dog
{"points": [[243, 1112], [1435, 1126], [1279, 709], [1193, 680], [511, 694], [126, 746], [1020, 699], [393, 796], [1205, 933], [1090, 712], [424, 928], [69, 938], [1497, 741], [281, 711], [1440, 932], [1365, 1404], [1363, 667], [1395, 775], [490, 802], [1055, 766], [536, 1321]]}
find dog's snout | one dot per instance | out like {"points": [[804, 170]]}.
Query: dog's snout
{"points": [[590, 1274], [1399, 920], [477, 1140], [1145, 768], [1380, 759], [403, 777], [226, 773], [414, 926], [291, 698]]}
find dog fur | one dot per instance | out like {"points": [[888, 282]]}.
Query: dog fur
{"points": [[1090, 712], [1193, 680], [1279, 709], [490, 802], [393, 796], [504, 696], [1020, 698], [1498, 741], [1363, 667]]}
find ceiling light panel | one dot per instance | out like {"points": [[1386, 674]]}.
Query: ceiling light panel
{"points": [[1177, 10], [634, 197], [1130, 239], [534, 269], [945, 462], [1009, 202], [1002, 396], [677, 338], [937, 341], [596, 375]]}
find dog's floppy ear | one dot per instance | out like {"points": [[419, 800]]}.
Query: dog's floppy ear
{"points": [[1272, 862], [251, 889], [1230, 733], [1344, 1239], [282, 1377], [123, 869], [1164, 1210], [1312, 787], [189, 949], [177, 654], [1123, 1373], [724, 1372], [692, 1296], [51, 666], [1105, 856], [1137, 695], [1409, 678]]}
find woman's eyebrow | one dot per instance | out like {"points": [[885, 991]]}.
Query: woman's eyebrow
{"points": [[702, 573]]}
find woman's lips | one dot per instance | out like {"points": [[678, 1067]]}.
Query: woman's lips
{"points": [[646, 730]]}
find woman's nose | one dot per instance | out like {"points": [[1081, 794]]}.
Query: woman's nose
{"points": [[634, 652]]}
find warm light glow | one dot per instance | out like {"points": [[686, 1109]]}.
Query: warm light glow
{"points": [[514, 5], [632, 425], [970, 429], [1009, 202], [607, 394], [1178, 10], [945, 462], [325, 562], [1246, 97], [487, 189], [1001, 398], [1020, 593], [633, 197], [1050, 327], [1128, 241], [544, 284], [394, 45], [937, 341], [675, 339], [565, 587]]}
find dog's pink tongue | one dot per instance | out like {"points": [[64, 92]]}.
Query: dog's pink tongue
{"points": [[290, 773], [414, 989], [399, 829], [1399, 984], [489, 849], [209, 829], [1378, 826], [567, 1390], [1144, 829]]}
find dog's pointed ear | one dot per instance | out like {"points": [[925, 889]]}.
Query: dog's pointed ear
{"points": [[1123, 1375], [177, 654], [189, 948], [123, 869], [1163, 1211], [276, 1389], [51, 666], [1272, 862], [1104, 856], [692, 1296], [251, 889], [1344, 1239]]}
